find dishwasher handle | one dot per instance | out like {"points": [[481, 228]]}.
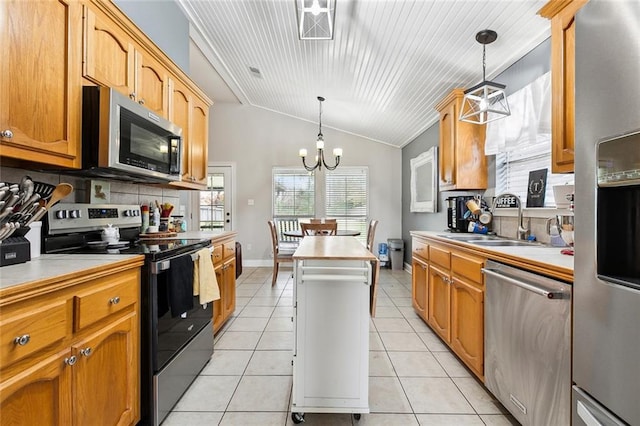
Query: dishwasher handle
{"points": [[532, 288]]}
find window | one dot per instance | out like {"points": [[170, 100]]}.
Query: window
{"points": [[513, 167], [293, 193], [346, 193], [212, 204], [345, 198]]}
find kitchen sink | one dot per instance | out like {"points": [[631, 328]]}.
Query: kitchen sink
{"points": [[489, 240], [503, 243], [472, 237]]}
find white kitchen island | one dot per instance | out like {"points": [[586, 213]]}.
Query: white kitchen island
{"points": [[331, 298]]}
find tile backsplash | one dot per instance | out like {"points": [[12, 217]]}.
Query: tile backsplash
{"points": [[120, 192]]}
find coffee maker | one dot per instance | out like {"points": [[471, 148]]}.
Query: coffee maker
{"points": [[456, 209]]}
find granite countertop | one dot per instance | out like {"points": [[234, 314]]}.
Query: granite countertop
{"points": [[536, 258], [57, 267]]}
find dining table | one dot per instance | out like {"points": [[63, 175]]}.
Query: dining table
{"points": [[297, 233]]}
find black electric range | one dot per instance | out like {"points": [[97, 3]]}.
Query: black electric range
{"points": [[173, 344]]}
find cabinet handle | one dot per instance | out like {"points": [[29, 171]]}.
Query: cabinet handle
{"points": [[6, 134], [71, 360], [114, 300], [86, 351], [141, 101], [132, 95], [22, 340]]}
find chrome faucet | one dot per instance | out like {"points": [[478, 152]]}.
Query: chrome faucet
{"points": [[523, 232]]}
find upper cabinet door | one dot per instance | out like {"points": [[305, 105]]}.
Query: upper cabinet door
{"points": [[109, 54], [463, 164], [152, 88], [562, 16], [199, 137], [189, 112], [40, 82]]}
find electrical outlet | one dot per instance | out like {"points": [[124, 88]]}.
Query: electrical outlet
{"points": [[249, 246], [250, 202]]}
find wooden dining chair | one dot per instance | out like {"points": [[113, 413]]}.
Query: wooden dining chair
{"points": [[319, 228], [322, 220], [278, 256], [371, 233]]}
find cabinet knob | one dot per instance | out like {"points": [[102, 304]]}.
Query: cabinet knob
{"points": [[22, 340], [141, 101], [132, 95], [114, 300], [86, 351], [6, 134], [71, 360]]}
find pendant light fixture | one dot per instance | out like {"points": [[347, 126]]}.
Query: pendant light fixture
{"points": [[486, 101], [337, 152], [315, 19]]}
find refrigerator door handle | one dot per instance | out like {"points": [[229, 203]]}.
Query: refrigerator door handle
{"points": [[586, 416], [532, 288]]}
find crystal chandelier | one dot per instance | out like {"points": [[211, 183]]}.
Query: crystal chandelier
{"points": [[337, 152]]}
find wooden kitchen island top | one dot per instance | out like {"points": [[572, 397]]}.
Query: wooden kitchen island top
{"points": [[332, 247]]}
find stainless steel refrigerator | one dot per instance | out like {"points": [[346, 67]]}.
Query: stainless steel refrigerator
{"points": [[606, 328]]}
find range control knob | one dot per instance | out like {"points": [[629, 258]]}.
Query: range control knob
{"points": [[61, 214], [75, 214], [130, 213]]}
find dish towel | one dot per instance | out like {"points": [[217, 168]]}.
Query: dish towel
{"points": [[180, 285], [205, 284]]}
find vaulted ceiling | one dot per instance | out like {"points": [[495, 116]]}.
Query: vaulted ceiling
{"points": [[389, 63]]}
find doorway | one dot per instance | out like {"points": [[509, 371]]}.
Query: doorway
{"points": [[215, 203]]}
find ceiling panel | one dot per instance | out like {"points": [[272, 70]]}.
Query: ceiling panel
{"points": [[389, 63]]}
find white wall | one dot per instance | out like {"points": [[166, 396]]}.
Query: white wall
{"points": [[256, 140]]}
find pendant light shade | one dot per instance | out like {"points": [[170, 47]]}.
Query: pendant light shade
{"points": [[315, 19], [486, 101]]}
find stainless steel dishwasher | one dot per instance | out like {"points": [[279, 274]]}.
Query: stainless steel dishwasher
{"points": [[527, 344]]}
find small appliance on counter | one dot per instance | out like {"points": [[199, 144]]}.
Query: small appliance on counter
{"points": [[457, 207]]}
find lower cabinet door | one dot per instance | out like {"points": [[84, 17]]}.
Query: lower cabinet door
{"points": [[419, 294], [39, 395], [229, 288], [439, 302], [467, 324], [218, 309], [106, 375]]}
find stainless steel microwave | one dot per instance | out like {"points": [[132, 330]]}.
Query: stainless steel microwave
{"points": [[122, 139]]}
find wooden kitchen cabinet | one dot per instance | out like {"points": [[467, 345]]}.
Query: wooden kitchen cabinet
{"points": [[40, 83], [88, 373], [562, 15], [112, 59], [191, 114], [440, 302], [419, 278], [419, 287], [455, 298], [463, 164], [224, 262]]}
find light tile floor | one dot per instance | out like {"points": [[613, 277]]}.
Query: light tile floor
{"points": [[413, 377]]}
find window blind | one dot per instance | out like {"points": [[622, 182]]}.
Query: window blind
{"points": [[293, 193], [513, 167], [347, 198]]}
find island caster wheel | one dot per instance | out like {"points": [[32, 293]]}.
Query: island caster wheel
{"points": [[297, 417], [356, 416]]}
